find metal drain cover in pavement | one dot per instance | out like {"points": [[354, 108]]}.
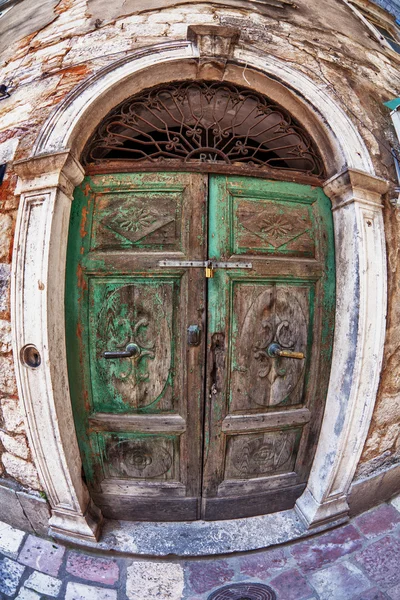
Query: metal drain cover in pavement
{"points": [[244, 591]]}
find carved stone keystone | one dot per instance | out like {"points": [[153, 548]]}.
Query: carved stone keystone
{"points": [[215, 45]]}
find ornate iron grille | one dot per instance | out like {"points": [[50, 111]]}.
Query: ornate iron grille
{"points": [[205, 122]]}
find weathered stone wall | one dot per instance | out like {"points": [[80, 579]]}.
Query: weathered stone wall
{"points": [[75, 38]]}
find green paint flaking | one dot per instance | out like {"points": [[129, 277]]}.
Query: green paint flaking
{"points": [[82, 302]]}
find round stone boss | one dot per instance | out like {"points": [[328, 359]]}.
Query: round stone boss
{"points": [[244, 591]]}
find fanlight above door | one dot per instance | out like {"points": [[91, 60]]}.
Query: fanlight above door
{"points": [[191, 123]]}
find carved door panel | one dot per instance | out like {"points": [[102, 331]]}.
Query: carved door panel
{"points": [[263, 411], [139, 418]]}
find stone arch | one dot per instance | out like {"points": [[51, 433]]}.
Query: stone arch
{"points": [[46, 184]]}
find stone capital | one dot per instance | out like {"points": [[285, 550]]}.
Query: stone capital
{"points": [[58, 170], [352, 185]]}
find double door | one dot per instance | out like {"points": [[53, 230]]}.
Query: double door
{"points": [[199, 314]]}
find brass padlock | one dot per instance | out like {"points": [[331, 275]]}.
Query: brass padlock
{"points": [[209, 270]]}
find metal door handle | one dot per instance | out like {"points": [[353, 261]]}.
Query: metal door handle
{"points": [[275, 350], [131, 351]]}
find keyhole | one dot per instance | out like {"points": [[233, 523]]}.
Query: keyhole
{"points": [[30, 356]]}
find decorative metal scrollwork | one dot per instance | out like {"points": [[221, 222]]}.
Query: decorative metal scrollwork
{"points": [[282, 334], [204, 122]]}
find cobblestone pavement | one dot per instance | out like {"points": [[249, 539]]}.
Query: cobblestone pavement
{"points": [[358, 561]]}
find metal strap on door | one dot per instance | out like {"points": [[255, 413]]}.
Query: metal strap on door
{"points": [[208, 265]]}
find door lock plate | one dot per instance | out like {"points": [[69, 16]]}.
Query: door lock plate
{"points": [[193, 335]]}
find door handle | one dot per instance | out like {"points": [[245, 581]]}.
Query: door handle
{"points": [[131, 351], [274, 350], [217, 359]]}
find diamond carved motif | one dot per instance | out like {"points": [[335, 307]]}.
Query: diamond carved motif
{"points": [[274, 229], [135, 222], [273, 226]]}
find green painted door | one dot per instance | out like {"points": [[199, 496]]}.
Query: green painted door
{"points": [[177, 425], [264, 411]]}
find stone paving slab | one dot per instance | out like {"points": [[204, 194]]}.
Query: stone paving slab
{"points": [[357, 561], [10, 540], [42, 555], [100, 570], [44, 584]]}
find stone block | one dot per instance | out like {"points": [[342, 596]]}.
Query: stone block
{"points": [[8, 385], [21, 111], [205, 575], [340, 581], [21, 470], [4, 287], [323, 549], [373, 594], [100, 570], [44, 584], [42, 555], [22, 510], [165, 17], [154, 580], [178, 30], [263, 564], [291, 585], [11, 510], [79, 591], [374, 490], [149, 30], [378, 521], [381, 561], [7, 150], [6, 226], [10, 540], [394, 592], [10, 576], [25, 594], [5, 335], [12, 415], [37, 511], [15, 444]]}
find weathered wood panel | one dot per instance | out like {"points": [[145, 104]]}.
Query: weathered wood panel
{"points": [[262, 315]]}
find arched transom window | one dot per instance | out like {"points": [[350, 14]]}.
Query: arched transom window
{"points": [[191, 123]]}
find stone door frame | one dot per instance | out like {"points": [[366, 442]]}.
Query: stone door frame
{"points": [[46, 183]]}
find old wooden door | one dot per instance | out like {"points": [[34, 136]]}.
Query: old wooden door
{"points": [[263, 411], [192, 413]]}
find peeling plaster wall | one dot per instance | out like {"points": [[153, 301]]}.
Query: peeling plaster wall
{"points": [[392, 6], [25, 19], [67, 41]]}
